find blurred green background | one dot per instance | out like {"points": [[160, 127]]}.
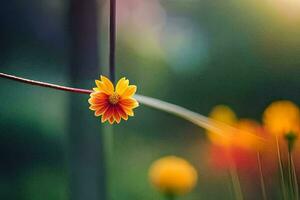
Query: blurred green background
{"points": [[194, 53]]}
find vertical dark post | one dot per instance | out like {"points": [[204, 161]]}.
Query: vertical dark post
{"points": [[112, 40], [87, 171], [108, 132]]}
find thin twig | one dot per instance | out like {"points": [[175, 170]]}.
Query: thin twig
{"points": [[43, 84]]}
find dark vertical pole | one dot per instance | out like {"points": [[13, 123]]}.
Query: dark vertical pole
{"points": [[87, 171], [112, 40], [108, 132]]}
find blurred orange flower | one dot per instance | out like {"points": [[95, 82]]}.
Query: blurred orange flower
{"points": [[250, 134], [173, 175], [113, 104], [239, 142], [247, 140], [235, 133], [282, 117]]}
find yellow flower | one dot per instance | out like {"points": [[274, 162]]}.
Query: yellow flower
{"points": [[172, 175], [113, 104], [223, 114], [282, 117]]}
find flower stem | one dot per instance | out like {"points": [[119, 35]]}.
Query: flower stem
{"points": [[290, 178], [295, 179], [293, 183], [280, 169], [235, 179], [262, 181]]}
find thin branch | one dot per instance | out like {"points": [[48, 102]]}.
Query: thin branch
{"points": [[43, 84]]}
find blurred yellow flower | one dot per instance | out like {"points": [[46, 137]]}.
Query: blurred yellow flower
{"points": [[282, 117], [223, 114], [173, 175], [113, 104]]}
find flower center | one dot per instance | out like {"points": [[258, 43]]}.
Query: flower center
{"points": [[114, 98]]}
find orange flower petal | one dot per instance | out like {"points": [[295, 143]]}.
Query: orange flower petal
{"points": [[116, 115], [129, 92], [122, 113], [107, 114], [132, 103], [128, 111], [111, 120], [100, 111], [98, 96], [107, 83], [103, 88], [95, 107], [100, 103], [122, 86]]}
